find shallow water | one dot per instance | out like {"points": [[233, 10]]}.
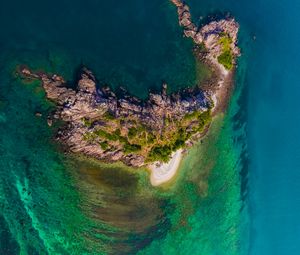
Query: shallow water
{"points": [[51, 203]]}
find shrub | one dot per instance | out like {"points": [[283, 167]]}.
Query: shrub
{"points": [[104, 145], [178, 143], [129, 148], [87, 122], [191, 116], [106, 135], [89, 136], [160, 153], [132, 132], [150, 138], [117, 132], [226, 59], [225, 41], [204, 118], [108, 116]]}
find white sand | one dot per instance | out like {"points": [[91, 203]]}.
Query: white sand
{"points": [[164, 172]]}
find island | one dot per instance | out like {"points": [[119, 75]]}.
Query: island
{"points": [[154, 132]]}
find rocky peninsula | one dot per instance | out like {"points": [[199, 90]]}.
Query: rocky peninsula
{"points": [[151, 132]]}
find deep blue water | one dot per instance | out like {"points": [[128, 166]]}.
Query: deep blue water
{"points": [[273, 119], [141, 46], [274, 140], [132, 42]]}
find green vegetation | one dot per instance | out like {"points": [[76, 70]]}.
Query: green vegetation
{"points": [[87, 122], [176, 139], [204, 119], [150, 138], [89, 136], [191, 116], [103, 134], [132, 132], [160, 153], [154, 145], [129, 148], [108, 116], [225, 41], [226, 57], [104, 145]]}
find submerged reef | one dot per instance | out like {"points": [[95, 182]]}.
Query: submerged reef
{"points": [[111, 127]]}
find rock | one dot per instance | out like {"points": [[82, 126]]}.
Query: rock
{"points": [[49, 122], [38, 114], [135, 160], [76, 108], [198, 38], [116, 156], [97, 121], [178, 3], [189, 33], [185, 22], [27, 73], [87, 82], [209, 34]]}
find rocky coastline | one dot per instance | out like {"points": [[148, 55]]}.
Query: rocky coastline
{"points": [[218, 42], [110, 127], [88, 109]]}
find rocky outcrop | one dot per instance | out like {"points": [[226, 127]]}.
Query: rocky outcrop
{"points": [[100, 124], [104, 110], [210, 34]]}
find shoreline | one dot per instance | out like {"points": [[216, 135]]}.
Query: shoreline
{"points": [[136, 138], [164, 172], [220, 95]]}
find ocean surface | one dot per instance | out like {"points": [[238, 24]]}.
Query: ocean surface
{"points": [[237, 191]]}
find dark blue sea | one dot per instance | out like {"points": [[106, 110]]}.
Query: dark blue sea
{"points": [[236, 193]]}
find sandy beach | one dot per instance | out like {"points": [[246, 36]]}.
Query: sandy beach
{"points": [[223, 78], [164, 172]]}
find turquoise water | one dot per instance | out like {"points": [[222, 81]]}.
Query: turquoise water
{"points": [[236, 192], [52, 203], [272, 122]]}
